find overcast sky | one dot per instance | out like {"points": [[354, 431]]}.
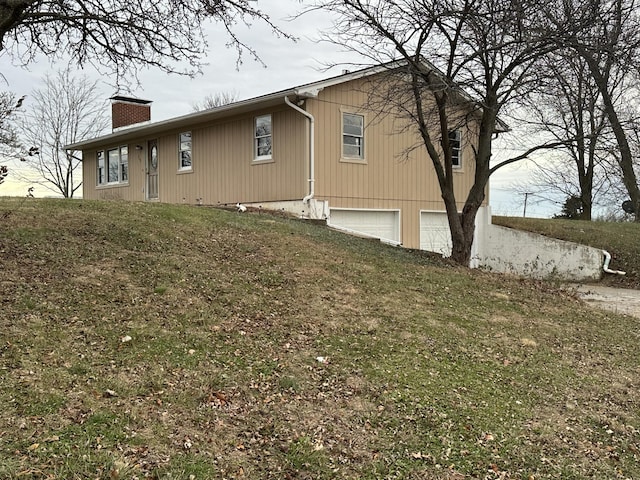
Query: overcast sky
{"points": [[287, 63]]}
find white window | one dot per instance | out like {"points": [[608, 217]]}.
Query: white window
{"points": [[100, 177], [263, 145], [455, 140], [113, 167], [184, 154], [352, 135], [124, 164]]}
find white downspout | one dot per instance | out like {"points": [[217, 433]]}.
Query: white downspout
{"points": [[312, 178], [605, 267]]}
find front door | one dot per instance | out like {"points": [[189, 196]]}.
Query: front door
{"points": [[152, 170]]}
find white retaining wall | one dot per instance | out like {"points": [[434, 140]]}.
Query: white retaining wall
{"points": [[314, 209], [506, 250]]}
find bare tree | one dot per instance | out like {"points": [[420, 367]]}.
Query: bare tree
{"points": [[9, 105], [215, 100], [466, 62], [9, 143], [66, 110], [610, 47], [121, 34], [566, 106]]}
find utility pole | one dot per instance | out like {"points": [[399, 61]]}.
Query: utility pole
{"points": [[526, 196]]}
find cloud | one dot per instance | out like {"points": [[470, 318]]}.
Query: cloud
{"points": [[286, 64]]}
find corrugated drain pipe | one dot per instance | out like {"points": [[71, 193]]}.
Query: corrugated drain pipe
{"points": [[312, 178], [605, 267]]}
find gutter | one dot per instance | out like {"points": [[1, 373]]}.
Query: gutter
{"points": [[312, 178], [605, 267]]}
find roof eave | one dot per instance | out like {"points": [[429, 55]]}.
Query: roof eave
{"points": [[147, 129], [308, 90]]}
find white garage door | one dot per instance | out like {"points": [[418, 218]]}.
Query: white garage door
{"points": [[435, 235], [382, 224]]}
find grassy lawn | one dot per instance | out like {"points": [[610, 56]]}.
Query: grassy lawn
{"points": [[621, 240], [172, 342]]}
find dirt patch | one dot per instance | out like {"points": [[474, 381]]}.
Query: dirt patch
{"points": [[619, 300]]}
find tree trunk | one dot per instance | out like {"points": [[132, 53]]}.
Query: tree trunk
{"points": [[625, 160], [463, 224], [460, 248], [626, 157]]}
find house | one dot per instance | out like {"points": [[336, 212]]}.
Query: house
{"points": [[318, 150]]}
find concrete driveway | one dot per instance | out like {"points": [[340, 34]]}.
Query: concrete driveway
{"points": [[620, 300]]}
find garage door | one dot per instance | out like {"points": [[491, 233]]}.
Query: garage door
{"points": [[435, 235], [382, 224]]}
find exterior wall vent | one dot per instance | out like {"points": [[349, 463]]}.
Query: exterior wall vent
{"points": [[127, 111]]}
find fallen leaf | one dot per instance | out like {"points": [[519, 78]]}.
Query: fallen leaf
{"points": [[33, 447], [217, 398]]}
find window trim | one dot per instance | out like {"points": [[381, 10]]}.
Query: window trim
{"points": [[122, 159], [456, 151], [262, 158], [363, 150], [181, 167]]}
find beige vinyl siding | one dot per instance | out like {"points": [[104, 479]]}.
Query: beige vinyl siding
{"points": [[385, 180], [223, 170]]}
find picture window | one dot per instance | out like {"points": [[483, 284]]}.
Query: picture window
{"points": [[113, 167]]}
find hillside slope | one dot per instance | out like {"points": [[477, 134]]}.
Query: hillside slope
{"points": [[158, 341], [620, 239]]}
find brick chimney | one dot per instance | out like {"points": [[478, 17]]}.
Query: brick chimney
{"points": [[127, 111]]}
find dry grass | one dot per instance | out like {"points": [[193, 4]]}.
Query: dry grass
{"points": [[155, 341]]}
